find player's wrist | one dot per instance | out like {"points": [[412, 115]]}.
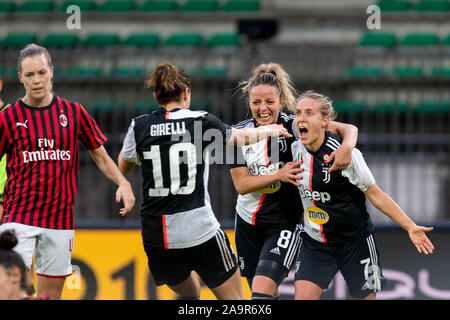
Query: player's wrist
{"points": [[267, 131]]}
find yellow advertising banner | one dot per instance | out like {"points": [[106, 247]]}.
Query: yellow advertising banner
{"points": [[112, 265]]}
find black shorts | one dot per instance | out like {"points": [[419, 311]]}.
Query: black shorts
{"points": [[275, 245], [358, 262], [213, 260]]}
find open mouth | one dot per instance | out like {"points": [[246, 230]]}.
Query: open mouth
{"points": [[303, 131]]}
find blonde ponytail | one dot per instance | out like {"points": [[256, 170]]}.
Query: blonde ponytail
{"points": [[272, 74]]}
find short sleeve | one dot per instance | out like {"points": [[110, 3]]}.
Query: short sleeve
{"points": [[89, 133], [128, 151], [358, 173]]}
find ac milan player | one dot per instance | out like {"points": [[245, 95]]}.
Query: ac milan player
{"points": [[40, 134]]}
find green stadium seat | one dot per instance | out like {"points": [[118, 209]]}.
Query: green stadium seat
{"points": [[388, 40], [438, 72], [446, 41], [143, 106], [224, 40], [390, 107], [129, 72], [7, 6], [184, 40], [347, 106], [214, 72], [420, 39], [84, 5], [432, 6], [117, 6], [429, 107], [8, 71], [18, 40], [394, 5], [60, 40], [100, 40], [199, 6], [360, 72], [102, 105], [83, 72], [241, 6], [35, 6], [406, 72], [142, 40], [159, 6]]}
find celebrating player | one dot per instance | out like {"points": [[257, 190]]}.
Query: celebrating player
{"points": [[180, 232], [40, 135], [269, 210], [339, 234]]}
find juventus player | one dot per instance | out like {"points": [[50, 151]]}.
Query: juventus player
{"points": [[40, 135], [180, 232], [269, 209], [339, 233]]}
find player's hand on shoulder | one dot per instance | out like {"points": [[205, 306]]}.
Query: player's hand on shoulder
{"points": [[276, 130], [342, 158]]}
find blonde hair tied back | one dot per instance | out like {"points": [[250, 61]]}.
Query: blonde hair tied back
{"points": [[272, 74]]}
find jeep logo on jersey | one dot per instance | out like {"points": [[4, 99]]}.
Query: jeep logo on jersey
{"points": [[272, 188], [256, 169], [315, 195], [317, 215]]}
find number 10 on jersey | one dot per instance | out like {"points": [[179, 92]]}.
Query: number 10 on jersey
{"points": [[174, 162]]}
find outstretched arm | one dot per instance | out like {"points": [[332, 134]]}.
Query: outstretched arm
{"points": [[112, 172], [391, 209], [245, 136], [343, 155]]}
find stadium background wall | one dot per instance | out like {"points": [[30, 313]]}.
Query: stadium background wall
{"points": [[110, 264]]}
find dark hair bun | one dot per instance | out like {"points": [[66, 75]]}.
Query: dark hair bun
{"points": [[8, 240]]}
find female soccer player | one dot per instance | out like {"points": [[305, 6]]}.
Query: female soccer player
{"points": [[269, 210], [15, 280], [180, 232], [339, 234], [40, 135]]}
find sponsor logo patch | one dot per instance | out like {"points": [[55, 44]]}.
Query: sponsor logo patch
{"points": [[317, 215]]}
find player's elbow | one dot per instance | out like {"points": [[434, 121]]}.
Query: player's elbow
{"points": [[241, 189]]}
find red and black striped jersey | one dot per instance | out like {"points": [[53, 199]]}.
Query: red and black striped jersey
{"points": [[41, 146]]}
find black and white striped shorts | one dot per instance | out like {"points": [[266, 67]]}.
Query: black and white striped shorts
{"points": [[358, 261], [213, 260], [272, 243]]}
